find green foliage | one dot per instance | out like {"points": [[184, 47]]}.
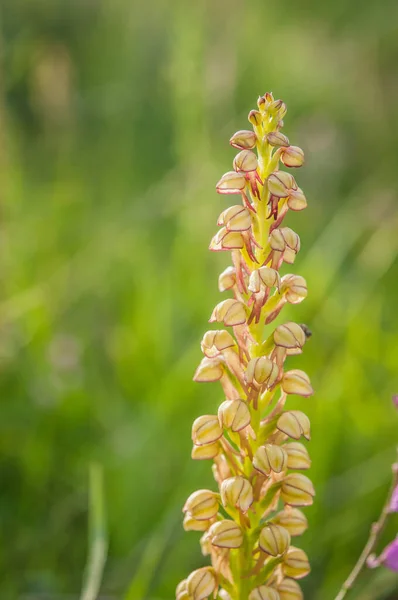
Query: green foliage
{"points": [[114, 117]]}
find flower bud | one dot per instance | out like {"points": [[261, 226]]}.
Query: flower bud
{"points": [[230, 312], [202, 505], [294, 424], [270, 458], [296, 200], [206, 430], [205, 452], [264, 593], [243, 139], [296, 564], [226, 240], [245, 161], [290, 336], [274, 540], [292, 156], [297, 456], [201, 583], [297, 382], [280, 183], [181, 591], [297, 490], [277, 109], [235, 218], [286, 242], [191, 524], [255, 118], [209, 369], [292, 242], [293, 520], [227, 279], [276, 138], [264, 102], [226, 534], [234, 414], [216, 341], [262, 372], [277, 241], [290, 590], [294, 288], [264, 277], [231, 183], [237, 492]]}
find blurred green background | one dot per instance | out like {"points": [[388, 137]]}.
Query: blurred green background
{"points": [[114, 120]]}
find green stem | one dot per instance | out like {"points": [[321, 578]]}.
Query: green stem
{"points": [[98, 538], [245, 565]]}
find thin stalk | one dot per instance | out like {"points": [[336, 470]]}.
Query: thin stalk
{"points": [[375, 532]]}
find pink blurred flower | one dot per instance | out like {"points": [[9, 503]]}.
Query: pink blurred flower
{"points": [[394, 501], [390, 556], [395, 400]]}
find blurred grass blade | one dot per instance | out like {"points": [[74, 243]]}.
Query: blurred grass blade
{"points": [[98, 542]]}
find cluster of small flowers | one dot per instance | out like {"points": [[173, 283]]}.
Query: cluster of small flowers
{"points": [[252, 440]]}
